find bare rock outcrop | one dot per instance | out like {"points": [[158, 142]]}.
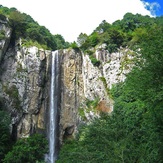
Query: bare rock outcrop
{"points": [[71, 91], [25, 72]]}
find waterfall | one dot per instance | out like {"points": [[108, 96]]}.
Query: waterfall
{"points": [[54, 103]]}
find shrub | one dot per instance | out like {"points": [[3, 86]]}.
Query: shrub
{"points": [[2, 34], [28, 150], [2, 17], [5, 139], [74, 46], [94, 61], [14, 96]]}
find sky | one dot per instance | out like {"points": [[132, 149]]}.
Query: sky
{"points": [[69, 18]]}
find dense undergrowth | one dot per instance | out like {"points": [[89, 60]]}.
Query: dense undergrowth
{"points": [[133, 132]]}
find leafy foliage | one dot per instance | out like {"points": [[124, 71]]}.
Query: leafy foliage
{"points": [[74, 46], [27, 150], [119, 138], [13, 93], [119, 34], [94, 61], [133, 131], [2, 35], [103, 27], [81, 39], [60, 41], [25, 27], [2, 17], [5, 140]]}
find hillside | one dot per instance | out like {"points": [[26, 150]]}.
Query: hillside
{"points": [[108, 91], [30, 31]]}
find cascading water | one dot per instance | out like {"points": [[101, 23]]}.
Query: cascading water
{"points": [[54, 99]]}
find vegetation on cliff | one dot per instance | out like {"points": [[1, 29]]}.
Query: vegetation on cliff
{"points": [[24, 26], [119, 34], [30, 149], [5, 138], [133, 132]]}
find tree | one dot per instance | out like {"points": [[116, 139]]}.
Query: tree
{"points": [[17, 22], [27, 150], [60, 41], [93, 39], [104, 26], [74, 46], [5, 139], [82, 39], [29, 30], [124, 136], [133, 131]]}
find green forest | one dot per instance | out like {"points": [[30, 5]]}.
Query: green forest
{"points": [[133, 132], [30, 31]]}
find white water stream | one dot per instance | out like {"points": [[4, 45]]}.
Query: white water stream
{"points": [[53, 107]]}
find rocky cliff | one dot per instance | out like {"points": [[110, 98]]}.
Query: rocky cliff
{"points": [[23, 88], [25, 85], [5, 33]]}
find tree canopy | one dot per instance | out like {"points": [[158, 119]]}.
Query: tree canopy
{"points": [[24, 26], [5, 138], [133, 132], [118, 34], [28, 150]]}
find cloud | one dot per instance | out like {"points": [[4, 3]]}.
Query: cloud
{"points": [[71, 17], [152, 7]]}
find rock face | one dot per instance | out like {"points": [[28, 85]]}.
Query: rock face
{"points": [[99, 80], [115, 66], [23, 88], [71, 91], [93, 86], [5, 36], [25, 75], [82, 82]]}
